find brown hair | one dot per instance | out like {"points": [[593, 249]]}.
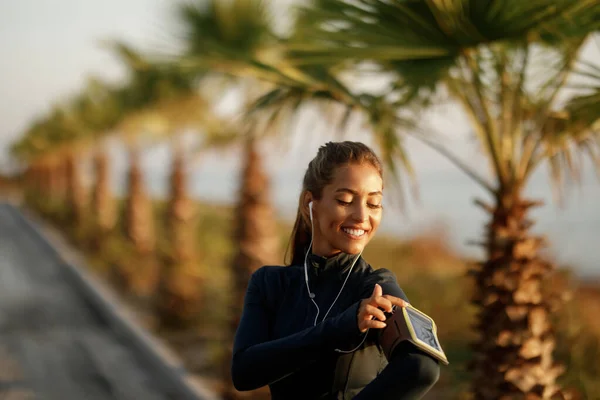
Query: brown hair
{"points": [[320, 173]]}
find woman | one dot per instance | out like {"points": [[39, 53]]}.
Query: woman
{"points": [[309, 330]]}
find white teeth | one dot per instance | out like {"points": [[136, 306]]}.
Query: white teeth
{"points": [[354, 232]]}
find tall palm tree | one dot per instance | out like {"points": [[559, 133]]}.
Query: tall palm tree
{"points": [[57, 180], [228, 38], [103, 204], [255, 231], [29, 151], [137, 274], [162, 101], [138, 208], [63, 123], [76, 195], [180, 292], [506, 64], [98, 110], [49, 146]]}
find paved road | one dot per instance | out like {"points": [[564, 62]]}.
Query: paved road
{"points": [[59, 340]]}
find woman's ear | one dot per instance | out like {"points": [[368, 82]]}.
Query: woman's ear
{"points": [[307, 201]]}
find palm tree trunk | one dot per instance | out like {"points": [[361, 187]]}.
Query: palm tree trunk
{"points": [[36, 178], [139, 226], [60, 181], [179, 303], [56, 182], [513, 355], [45, 173], [76, 197], [138, 274], [180, 211], [44, 188], [29, 185], [102, 201], [257, 244]]}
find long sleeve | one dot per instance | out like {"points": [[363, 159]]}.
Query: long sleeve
{"points": [[258, 361], [411, 372], [408, 376], [386, 279]]}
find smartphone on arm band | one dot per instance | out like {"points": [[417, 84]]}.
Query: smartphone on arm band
{"points": [[409, 324]]}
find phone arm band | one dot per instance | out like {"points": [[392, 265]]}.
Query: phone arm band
{"points": [[409, 324]]}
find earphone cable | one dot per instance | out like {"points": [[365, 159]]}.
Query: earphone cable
{"points": [[312, 295]]}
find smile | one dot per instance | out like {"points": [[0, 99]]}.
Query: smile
{"points": [[354, 233]]}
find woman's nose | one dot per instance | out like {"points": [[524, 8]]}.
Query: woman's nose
{"points": [[360, 214]]}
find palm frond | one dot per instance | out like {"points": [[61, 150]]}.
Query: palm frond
{"points": [[396, 30], [237, 28], [577, 133], [566, 140], [421, 41], [585, 107]]}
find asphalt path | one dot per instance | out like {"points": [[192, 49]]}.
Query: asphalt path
{"points": [[60, 338]]}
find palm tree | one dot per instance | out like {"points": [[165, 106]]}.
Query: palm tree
{"points": [[164, 100], [228, 38], [103, 205], [255, 231], [180, 292], [57, 180], [63, 123], [137, 272], [49, 147], [76, 195], [98, 109], [506, 64]]}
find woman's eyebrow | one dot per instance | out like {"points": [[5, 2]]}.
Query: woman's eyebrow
{"points": [[355, 193]]}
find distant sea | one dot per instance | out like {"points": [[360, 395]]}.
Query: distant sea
{"points": [[445, 199]]}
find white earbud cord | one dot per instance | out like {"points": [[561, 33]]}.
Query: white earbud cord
{"points": [[312, 295]]}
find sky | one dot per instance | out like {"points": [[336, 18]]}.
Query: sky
{"points": [[48, 49]]}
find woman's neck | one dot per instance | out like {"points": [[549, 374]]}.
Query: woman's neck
{"points": [[324, 251]]}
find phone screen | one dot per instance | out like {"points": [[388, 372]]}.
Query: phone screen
{"points": [[423, 328]]}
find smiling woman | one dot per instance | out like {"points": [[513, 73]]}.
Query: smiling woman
{"points": [[285, 341], [348, 211]]}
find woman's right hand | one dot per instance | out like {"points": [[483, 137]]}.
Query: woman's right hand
{"points": [[370, 314]]}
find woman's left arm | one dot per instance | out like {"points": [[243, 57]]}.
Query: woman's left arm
{"points": [[410, 373]]}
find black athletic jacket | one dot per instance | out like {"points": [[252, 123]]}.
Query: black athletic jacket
{"points": [[276, 343]]}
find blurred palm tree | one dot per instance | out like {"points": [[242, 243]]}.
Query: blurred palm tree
{"points": [[44, 177], [506, 64], [50, 148], [29, 151], [61, 140], [98, 109], [235, 40], [138, 275], [163, 101]]}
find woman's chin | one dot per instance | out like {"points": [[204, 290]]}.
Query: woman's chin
{"points": [[353, 249]]}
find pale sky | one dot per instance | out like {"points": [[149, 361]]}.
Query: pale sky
{"points": [[48, 48]]}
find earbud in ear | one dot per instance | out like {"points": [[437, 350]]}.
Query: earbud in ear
{"points": [[310, 211]]}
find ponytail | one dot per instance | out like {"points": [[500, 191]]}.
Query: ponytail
{"points": [[299, 239]]}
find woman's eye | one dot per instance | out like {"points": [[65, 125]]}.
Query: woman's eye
{"points": [[374, 205], [344, 203]]}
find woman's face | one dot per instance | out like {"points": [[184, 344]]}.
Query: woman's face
{"points": [[349, 211]]}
